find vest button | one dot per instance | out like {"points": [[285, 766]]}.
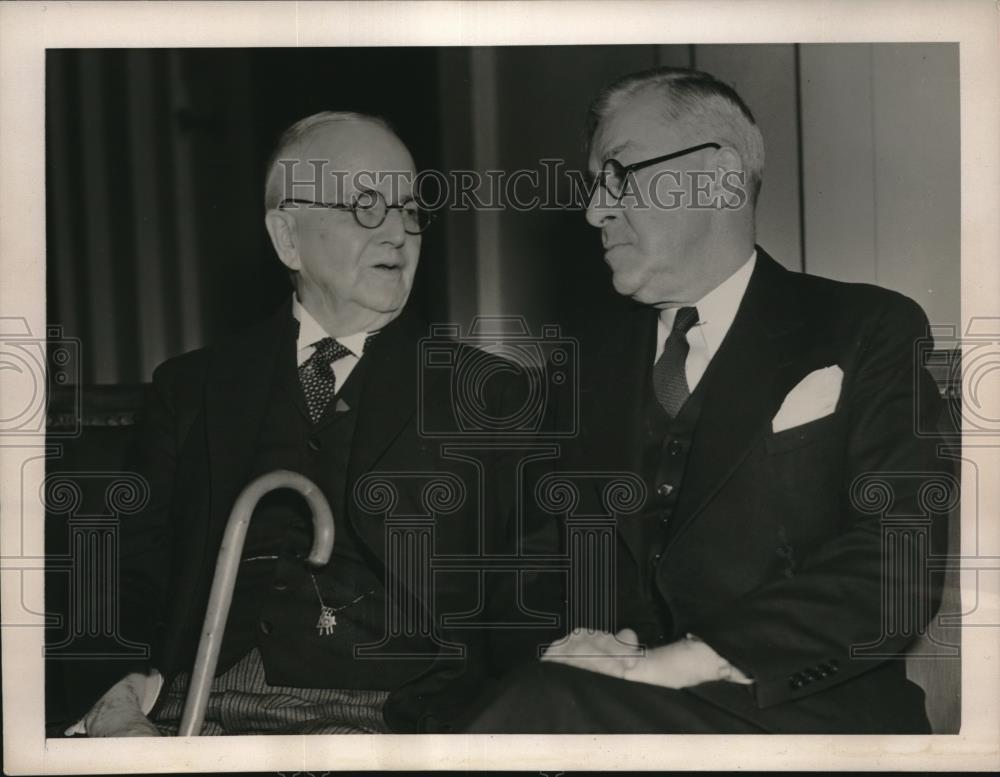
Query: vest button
{"points": [[664, 489], [280, 585], [314, 444], [675, 447], [265, 627]]}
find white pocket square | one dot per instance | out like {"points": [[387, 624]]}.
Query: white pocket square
{"points": [[815, 396]]}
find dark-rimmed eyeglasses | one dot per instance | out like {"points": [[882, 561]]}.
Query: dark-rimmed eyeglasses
{"points": [[371, 210], [614, 173]]}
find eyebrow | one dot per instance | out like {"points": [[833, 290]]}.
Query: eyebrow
{"points": [[611, 153], [405, 199]]}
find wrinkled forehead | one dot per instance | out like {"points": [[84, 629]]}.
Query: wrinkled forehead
{"points": [[635, 127], [355, 156]]}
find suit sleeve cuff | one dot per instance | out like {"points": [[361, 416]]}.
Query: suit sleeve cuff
{"points": [[154, 684]]}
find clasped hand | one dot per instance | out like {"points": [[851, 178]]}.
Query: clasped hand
{"points": [[679, 664]]}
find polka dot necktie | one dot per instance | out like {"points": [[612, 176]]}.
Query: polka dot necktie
{"points": [[669, 379], [316, 373]]}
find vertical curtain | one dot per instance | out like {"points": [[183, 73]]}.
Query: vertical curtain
{"points": [[142, 150]]}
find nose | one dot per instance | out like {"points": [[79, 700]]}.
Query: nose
{"points": [[392, 228], [600, 207]]}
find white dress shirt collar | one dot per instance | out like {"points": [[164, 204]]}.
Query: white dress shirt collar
{"points": [[311, 332], [716, 312], [717, 309]]}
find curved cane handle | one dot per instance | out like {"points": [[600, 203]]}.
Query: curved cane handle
{"points": [[225, 579]]}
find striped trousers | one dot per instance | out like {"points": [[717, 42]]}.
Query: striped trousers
{"points": [[241, 702]]}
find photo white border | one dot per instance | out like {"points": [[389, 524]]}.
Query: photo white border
{"points": [[27, 29]]}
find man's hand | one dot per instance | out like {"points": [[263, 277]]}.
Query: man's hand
{"points": [[118, 713], [682, 664], [597, 651]]}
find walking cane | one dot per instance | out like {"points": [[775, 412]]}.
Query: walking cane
{"points": [[225, 579]]}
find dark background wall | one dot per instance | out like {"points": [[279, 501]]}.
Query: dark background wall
{"points": [[155, 157]]}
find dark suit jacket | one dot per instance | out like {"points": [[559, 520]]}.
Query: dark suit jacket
{"points": [[778, 555], [198, 437]]}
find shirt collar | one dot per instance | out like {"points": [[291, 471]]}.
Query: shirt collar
{"points": [[311, 331], [717, 309]]}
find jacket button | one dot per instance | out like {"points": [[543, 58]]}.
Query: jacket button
{"points": [[795, 683], [664, 489], [314, 444], [675, 447], [265, 627], [280, 585], [811, 675], [834, 666]]}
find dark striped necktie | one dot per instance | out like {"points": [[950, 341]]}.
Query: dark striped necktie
{"points": [[669, 379]]}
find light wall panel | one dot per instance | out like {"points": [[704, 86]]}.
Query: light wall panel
{"points": [[764, 76]]}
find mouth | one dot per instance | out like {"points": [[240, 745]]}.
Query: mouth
{"points": [[610, 243], [388, 266]]}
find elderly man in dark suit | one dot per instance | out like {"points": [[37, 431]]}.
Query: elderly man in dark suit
{"points": [[329, 386], [757, 588]]}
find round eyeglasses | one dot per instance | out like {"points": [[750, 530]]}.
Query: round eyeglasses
{"points": [[614, 173], [370, 211]]}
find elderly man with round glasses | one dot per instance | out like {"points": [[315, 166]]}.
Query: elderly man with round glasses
{"points": [[328, 387]]}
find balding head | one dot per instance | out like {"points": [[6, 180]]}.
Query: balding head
{"points": [[351, 273], [293, 145]]}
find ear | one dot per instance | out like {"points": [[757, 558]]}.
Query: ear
{"points": [[281, 228], [730, 188]]}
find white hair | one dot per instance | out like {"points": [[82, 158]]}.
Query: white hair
{"points": [[698, 100]]}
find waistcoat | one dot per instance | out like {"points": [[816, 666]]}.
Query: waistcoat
{"points": [[276, 603], [665, 447]]}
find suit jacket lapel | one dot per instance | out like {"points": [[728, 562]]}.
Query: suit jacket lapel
{"points": [[745, 383], [238, 387], [389, 401], [615, 377]]}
